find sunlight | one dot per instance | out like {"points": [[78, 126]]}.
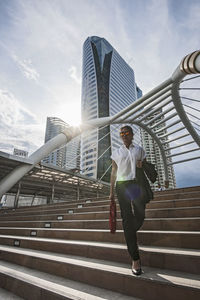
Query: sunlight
{"points": [[70, 113]]}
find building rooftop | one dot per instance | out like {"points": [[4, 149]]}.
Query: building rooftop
{"points": [[44, 178]]}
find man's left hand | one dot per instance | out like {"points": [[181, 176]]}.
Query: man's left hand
{"points": [[139, 164]]}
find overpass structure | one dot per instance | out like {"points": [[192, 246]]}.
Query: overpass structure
{"points": [[168, 113]]}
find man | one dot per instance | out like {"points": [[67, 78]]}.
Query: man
{"points": [[124, 162]]}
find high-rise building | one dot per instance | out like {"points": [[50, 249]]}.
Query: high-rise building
{"points": [[54, 126], [72, 155], [108, 86], [67, 156]]}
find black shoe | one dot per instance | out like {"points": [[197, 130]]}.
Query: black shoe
{"points": [[137, 272]]}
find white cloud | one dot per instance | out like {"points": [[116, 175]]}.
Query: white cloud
{"points": [[12, 111], [73, 74], [19, 127], [27, 68]]}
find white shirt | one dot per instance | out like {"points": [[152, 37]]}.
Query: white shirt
{"points": [[126, 161]]}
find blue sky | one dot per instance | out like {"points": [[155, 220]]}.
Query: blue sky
{"points": [[41, 56]]}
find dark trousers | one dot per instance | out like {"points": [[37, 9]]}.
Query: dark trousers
{"points": [[132, 213]]}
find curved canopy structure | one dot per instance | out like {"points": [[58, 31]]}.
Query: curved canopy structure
{"points": [[163, 114], [167, 114]]}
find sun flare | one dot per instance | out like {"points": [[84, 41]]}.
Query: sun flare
{"points": [[71, 114]]}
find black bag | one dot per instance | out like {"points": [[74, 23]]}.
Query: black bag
{"points": [[150, 171]]}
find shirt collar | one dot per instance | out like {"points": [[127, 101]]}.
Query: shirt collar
{"points": [[131, 146]]}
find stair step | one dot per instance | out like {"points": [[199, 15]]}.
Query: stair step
{"points": [[64, 205], [158, 196], [65, 216], [184, 224], [6, 295], [169, 244], [152, 285], [61, 204], [180, 212], [187, 260], [58, 211], [189, 202], [21, 280], [178, 239], [177, 195], [179, 190], [156, 204], [190, 224]]}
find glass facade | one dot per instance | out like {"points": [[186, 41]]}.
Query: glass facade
{"points": [[66, 156], [108, 86], [53, 127]]}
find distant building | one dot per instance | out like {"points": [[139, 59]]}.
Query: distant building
{"points": [[20, 152], [67, 156], [54, 126], [152, 150], [72, 155], [153, 153], [108, 86]]}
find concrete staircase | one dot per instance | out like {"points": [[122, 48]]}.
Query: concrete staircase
{"points": [[65, 251]]}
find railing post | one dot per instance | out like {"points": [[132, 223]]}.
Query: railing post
{"points": [[52, 191], [48, 200], [17, 195], [33, 199], [78, 191]]}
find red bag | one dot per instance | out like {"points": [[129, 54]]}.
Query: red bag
{"points": [[113, 217]]}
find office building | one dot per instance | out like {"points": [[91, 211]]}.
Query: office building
{"points": [[108, 86], [67, 156]]}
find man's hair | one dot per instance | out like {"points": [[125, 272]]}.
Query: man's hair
{"points": [[129, 128]]}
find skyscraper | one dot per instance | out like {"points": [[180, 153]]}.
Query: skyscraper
{"points": [[67, 156], [108, 86]]}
